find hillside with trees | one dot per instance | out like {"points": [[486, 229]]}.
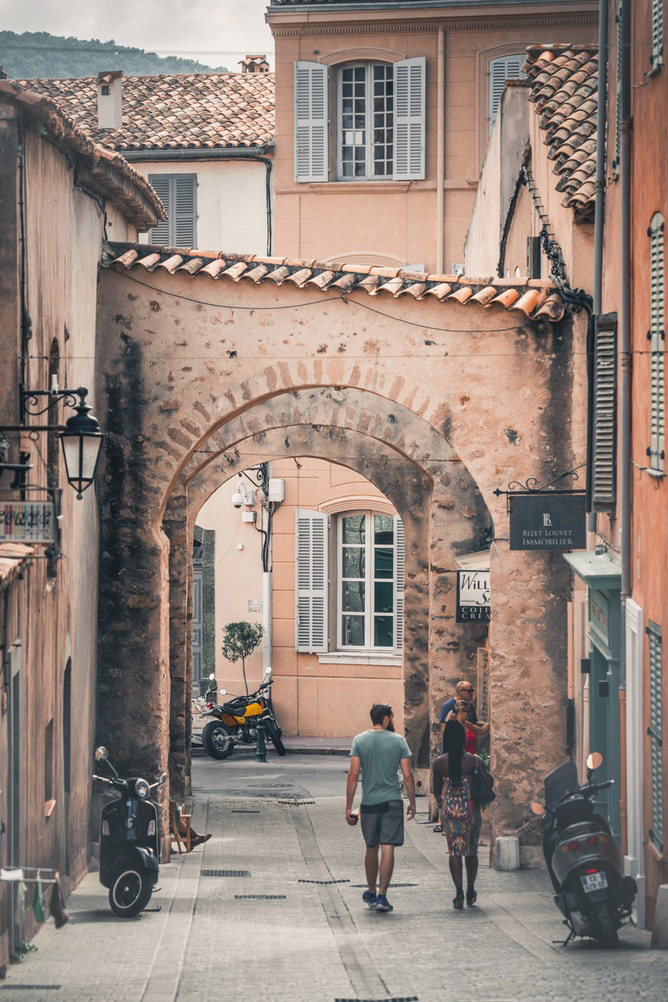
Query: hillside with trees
{"points": [[37, 54]]}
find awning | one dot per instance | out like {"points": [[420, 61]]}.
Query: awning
{"points": [[598, 570], [478, 561]]}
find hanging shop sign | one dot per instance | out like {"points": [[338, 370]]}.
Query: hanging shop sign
{"points": [[473, 596], [548, 521], [27, 522]]}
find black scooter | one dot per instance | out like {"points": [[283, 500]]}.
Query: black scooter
{"points": [[129, 841], [582, 857]]}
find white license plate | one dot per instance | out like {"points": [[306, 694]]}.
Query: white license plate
{"points": [[594, 881]]}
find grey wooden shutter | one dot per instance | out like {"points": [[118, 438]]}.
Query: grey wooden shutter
{"points": [[398, 584], [604, 476], [409, 119], [163, 189], [655, 731], [311, 581], [501, 69], [311, 122], [618, 100], [656, 335], [657, 34], [185, 210]]}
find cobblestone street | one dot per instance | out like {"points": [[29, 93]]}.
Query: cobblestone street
{"points": [[270, 908]]}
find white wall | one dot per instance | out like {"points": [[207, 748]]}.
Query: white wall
{"points": [[231, 202]]}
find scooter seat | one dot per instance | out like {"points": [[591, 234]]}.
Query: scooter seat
{"points": [[235, 706]]}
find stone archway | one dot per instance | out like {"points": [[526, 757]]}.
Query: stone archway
{"points": [[184, 380]]}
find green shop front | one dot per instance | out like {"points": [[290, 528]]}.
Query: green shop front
{"points": [[602, 575]]}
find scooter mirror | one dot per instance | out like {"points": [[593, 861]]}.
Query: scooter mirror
{"points": [[211, 677], [594, 760], [101, 754], [223, 692], [163, 779], [537, 808]]}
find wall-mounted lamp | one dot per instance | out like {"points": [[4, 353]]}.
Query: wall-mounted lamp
{"points": [[81, 436]]}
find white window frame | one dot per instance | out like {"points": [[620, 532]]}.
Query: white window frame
{"points": [[369, 581], [368, 175]]}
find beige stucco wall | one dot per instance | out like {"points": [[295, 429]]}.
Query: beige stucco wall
{"points": [[231, 202], [51, 604], [395, 222], [315, 694]]}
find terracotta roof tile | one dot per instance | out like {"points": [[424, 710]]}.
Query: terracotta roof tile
{"points": [[533, 297], [190, 111], [563, 82], [101, 170]]}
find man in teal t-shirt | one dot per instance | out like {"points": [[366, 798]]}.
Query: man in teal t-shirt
{"points": [[380, 753]]}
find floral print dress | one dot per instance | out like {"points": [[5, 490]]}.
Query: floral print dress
{"points": [[462, 819]]}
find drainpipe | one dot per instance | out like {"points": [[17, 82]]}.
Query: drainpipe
{"points": [[440, 150], [625, 359]]}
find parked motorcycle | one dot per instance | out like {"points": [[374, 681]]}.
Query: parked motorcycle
{"points": [[129, 841], [582, 857], [235, 721]]}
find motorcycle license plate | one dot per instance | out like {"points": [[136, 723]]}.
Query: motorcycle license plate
{"points": [[594, 882]]}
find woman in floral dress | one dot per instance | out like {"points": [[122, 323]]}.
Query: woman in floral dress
{"points": [[451, 785]]}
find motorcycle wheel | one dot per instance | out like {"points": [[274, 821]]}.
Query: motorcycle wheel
{"points": [[272, 731], [217, 741], [603, 925], [130, 891]]}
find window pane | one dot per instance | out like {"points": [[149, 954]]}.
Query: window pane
{"points": [[353, 631], [383, 631], [353, 529], [383, 529], [383, 563], [353, 596], [354, 562], [383, 596]]}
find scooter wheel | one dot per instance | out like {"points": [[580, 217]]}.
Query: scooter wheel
{"points": [[216, 740], [604, 927], [130, 891]]}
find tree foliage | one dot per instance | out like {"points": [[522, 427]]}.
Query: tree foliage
{"points": [[239, 641], [39, 55]]}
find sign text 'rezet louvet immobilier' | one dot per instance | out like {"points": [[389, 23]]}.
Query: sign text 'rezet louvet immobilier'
{"points": [[547, 522]]}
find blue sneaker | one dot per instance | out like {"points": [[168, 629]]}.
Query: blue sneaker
{"points": [[382, 904], [370, 899]]}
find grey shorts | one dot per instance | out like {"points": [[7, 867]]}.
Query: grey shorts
{"points": [[386, 828]]}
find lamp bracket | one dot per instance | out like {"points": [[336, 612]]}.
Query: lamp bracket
{"points": [[29, 399], [258, 476]]}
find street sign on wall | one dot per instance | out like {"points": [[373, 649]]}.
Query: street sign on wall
{"points": [[27, 522], [473, 596], [547, 521]]}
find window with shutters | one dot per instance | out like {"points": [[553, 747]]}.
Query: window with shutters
{"points": [[379, 121], [656, 337], [178, 193], [655, 731], [499, 70], [604, 437], [657, 35], [368, 582]]}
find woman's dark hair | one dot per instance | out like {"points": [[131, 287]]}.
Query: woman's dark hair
{"points": [[454, 743]]}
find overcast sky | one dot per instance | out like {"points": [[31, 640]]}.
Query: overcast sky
{"points": [[216, 32]]}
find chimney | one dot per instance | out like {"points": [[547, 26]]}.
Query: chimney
{"points": [[254, 64], [109, 99]]}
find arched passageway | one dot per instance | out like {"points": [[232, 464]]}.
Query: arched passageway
{"points": [[195, 374]]}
